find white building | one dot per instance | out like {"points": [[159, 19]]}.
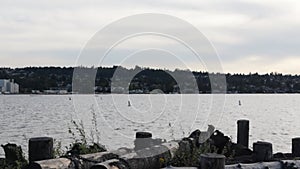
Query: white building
{"points": [[3, 85], [8, 86]]}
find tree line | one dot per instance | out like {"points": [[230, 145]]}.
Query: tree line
{"points": [[148, 79]]}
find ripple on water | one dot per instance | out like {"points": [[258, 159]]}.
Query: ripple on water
{"points": [[24, 117]]}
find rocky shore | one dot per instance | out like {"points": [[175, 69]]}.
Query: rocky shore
{"points": [[210, 149]]}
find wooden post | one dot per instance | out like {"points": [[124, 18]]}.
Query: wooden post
{"points": [[40, 148], [243, 132], [143, 140], [263, 151], [296, 147], [212, 161]]}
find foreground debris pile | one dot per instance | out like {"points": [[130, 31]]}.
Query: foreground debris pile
{"points": [[206, 150]]}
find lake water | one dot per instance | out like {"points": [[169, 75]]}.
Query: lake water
{"points": [[273, 117]]}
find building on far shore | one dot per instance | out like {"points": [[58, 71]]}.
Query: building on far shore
{"points": [[8, 86]]}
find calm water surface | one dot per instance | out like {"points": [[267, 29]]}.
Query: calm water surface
{"points": [[273, 117]]}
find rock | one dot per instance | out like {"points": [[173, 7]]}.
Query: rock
{"points": [[204, 136], [279, 155], [219, 140], [195, 134], [240, 150]]}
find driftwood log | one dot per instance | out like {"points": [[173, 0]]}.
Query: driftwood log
{"points": [[84, 161], [59, 163], [111, 164], [270, 165], [142, 159], [89, 160], [149, 154], [151, 157], [262, 165]]}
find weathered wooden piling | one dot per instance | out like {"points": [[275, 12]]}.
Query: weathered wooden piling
{"points": [[243, 132], [143, 140], [40, 148], [296, 147], [212, 161], [262, 151]]}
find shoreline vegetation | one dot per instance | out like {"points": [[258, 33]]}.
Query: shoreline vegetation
{"points": [[58, 80], [195, 150]]}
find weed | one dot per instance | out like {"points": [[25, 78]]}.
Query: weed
{"points": [[81, 144]]}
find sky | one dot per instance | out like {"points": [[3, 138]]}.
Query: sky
{"points": [[249, 36]]}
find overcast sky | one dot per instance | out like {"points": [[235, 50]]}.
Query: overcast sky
{"points": [[249, 36]]}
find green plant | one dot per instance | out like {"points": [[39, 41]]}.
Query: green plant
{"points": [[80, 148], [15, 158], [58, 150], [81, 144], [15, 165], [95, 131], [79, 132], [190, 157], [172, 131]]}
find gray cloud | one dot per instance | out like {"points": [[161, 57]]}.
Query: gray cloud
{"points": [[54, 31]]}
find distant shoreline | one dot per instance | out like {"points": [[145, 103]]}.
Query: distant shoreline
{"points": [[55, 79]]}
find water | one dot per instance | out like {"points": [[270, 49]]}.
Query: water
{"points": [[273, 117]]}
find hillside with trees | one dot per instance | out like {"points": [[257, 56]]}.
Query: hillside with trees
{"points": [[146, 80]]}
